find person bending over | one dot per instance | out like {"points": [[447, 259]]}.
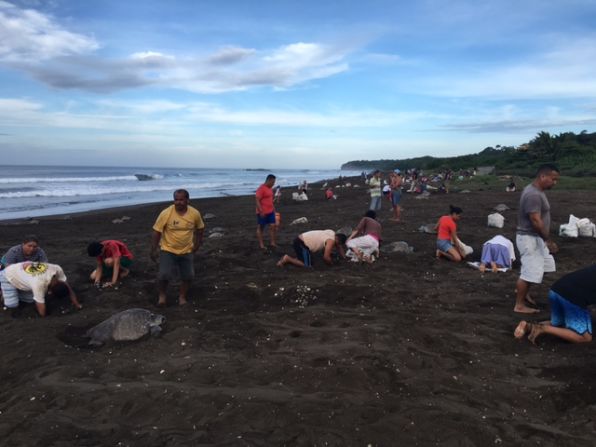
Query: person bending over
{"points": [[364, 240], [447, 241], [570, 318], [113, 258], [312, 242], [28, 250], [30, 282]]}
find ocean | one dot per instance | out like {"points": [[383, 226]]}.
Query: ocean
{"points": [[32, 191]]}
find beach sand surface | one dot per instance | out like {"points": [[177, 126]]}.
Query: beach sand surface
{"points": [[406, 351]]}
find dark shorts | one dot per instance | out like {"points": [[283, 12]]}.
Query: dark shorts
{"points": [[124, 262], [395, 197], [565, 314], [170, 264], [266, 220], [302, 252]]}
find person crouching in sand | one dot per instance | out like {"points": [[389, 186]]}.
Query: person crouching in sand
{"points": [[570, 318], [447, 242], [364, 240], [113, 258], [312, 242]]}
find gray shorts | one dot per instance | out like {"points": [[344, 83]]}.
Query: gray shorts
{"points": [[170, 264], [11, 294], [535, 258]]}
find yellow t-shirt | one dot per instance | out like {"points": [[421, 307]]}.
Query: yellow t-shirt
{"points": [[177, 231]]}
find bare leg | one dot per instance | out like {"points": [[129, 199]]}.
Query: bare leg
{"points": [[123, 273], [272, 234], [493, 266], [184, 286], [482, 267], [522, 288], [260, 237], [287, 259], [561, 332], [93, 275], [162, 287], [452, 255]]}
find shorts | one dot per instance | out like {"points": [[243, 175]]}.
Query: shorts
{"points": [[444, 245], [565, 314], [302, 252], [124, 262], [266, 220], [365, 243], [375, 203], [11, 294], [170, 264], [535, 258], [395, 197]]}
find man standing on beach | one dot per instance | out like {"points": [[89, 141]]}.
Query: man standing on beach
{"points": [[396, 182], [177, 233], [375, 191], [532, 239], [266, 211]]}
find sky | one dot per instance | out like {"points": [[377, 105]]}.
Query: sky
{"points": [[287, 83]]}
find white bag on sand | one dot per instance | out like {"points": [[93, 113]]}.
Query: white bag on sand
{"points": [[496, 220], [299, 197], [586, 227], [568, 230], [465, 249]]}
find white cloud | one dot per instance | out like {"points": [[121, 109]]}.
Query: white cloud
{"points": [[26, 34]]}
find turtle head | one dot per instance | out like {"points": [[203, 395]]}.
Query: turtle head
{"points": [[156, 320]]}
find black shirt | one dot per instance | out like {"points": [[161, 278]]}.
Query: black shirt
{"points": [[578, 287]]}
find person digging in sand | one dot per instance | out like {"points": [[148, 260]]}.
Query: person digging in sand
{"points": [[570, 319], [447, 241], [532, 238], [113, 259], [314, 241], [177, 235], [364, 240]]}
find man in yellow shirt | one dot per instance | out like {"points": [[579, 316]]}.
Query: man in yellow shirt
{"points": [[177, 235]]}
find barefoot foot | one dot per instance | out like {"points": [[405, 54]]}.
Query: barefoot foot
{"points": [[525, 310]]}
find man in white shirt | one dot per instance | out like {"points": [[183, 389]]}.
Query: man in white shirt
{"points": [[30, 282]]}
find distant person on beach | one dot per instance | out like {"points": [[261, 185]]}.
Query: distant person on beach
{"points": [[511, 187], [570, 318], [30, 282], [533, 236], [266, 211], [364, 240], [113, 259], [375, 191], [448, 246], [177, 235], [329, 194], [28, 250], [277, 194], [396, 183], [312, 242]]}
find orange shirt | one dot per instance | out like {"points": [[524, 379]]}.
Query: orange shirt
{"points": [[447, 227], [265, 197]]}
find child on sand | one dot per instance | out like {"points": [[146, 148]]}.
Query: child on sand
{"points": [[447, 242], [570, 318], [314, 241], [113, 258]]}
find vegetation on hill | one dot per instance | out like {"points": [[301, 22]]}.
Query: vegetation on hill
{"points": [[575, 154]]}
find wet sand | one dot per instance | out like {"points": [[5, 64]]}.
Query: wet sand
{"points": [[406, 351]]}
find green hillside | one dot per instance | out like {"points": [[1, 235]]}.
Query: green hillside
{"points": [[575, 154]]}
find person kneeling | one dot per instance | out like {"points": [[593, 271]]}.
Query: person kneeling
{"points": [[113, 258], [363, 243], [570, 318], [30, 282], [312, 242]]}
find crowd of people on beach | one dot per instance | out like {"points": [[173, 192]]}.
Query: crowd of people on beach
{"points": [[26, 275]]}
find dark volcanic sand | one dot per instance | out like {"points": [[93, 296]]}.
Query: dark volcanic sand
{"points": [[407, 351]]}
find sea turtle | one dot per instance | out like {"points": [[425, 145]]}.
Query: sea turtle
{"points": [[127, 325], [501, 207]]}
